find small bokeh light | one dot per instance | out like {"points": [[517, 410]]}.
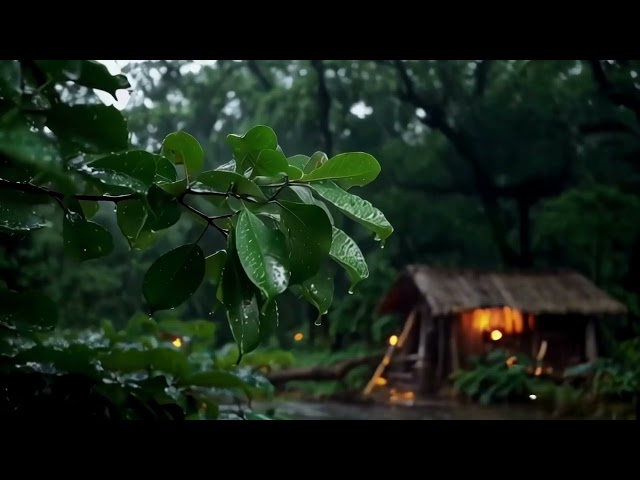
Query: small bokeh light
{"points": [[177, 343], [496, 335], [393, 340], [532, 397], [298, 336]]}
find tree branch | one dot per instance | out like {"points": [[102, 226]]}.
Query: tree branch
{"points": [[211, 220], [324, 106], [37, 190], [255, 69]]}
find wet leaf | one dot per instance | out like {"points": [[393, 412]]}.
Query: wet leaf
{"points": [[18, 212], [247, 147], [269, 320], [356, 208], [174, 277], [263, 254], [224, 182], [138, 164], [318, 290], [238, 295], [27, 311], [165, 211], [298, 161], [131, 216], [270, 162], [84, 239], [94, 74], [316, 161], [89, 128], [112, 182], [214, 264], [348, 255], [309, 237], [347, 169], [183, 149]]}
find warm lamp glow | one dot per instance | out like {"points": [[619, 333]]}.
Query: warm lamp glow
{"points": [[393, 340], [496, 335], [177, 343], [381, 381], [298, 336], [511, 361]]}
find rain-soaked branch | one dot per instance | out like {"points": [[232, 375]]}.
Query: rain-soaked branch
{"points": [[37, 190], [324, 106]]}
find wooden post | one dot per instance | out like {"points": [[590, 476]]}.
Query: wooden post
{"points": [[591, 344], [422, 365], [453, 338], [441, 348]]}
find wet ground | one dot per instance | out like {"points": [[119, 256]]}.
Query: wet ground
{"points": [[305, 410]]}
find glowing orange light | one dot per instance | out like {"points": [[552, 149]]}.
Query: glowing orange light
{"points": [[298, 336], [496, 335], [177, 343], [381, 381], [511, 361], [393, 340]]}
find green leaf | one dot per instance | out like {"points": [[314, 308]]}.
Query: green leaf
{"points": [[27, 311], [348, 255], [316, 161], [247, 147], [138, 164], [214, 264], [10, 76], [94, 74], [131, 216], [270, 162], [263, 254], [183, 149], [174, 277], [166, 360], [348, 169], [176, 188], [89, 208], [294, 173], [304, 193], [18, 212], [230, 166], [19, 143], [298, 161], [83, 239], [165, 210], [88, 128], [237, 294], [269, 319], [112, 182], [356, 208], [224, 182], [318, 290], [309, 234]]}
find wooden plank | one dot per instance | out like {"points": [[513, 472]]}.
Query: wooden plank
{"points": [[453, 338], [441, 347], [386, 360]]}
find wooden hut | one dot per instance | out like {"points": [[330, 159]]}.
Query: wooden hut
{"points": [[452, 315]]}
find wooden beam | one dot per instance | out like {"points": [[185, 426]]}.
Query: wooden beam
{"points": [[453, 338], [591, 343], [441, 348], [386, 360], [422, 365]]}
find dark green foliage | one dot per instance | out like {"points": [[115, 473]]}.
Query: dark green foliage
{"points": [[73, 158]]}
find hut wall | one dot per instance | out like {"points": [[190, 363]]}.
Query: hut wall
{"points": [[565, 337]]}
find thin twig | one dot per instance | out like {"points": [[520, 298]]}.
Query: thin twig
{"points": [[280, 188], [210, 219], [35, 189]]}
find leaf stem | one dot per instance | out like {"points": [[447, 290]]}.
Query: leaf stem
{"points": [[210, 219], [277, 192]]}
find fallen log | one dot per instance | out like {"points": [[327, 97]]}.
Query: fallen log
{"points": [[330, 372]]}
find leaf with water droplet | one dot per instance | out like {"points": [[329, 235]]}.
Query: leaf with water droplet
{"points": [[349, 256], [238, 295], [174, 277], [18, 214], [131, 216], [247, 147], [309, 238], [83, 239], [112, 182], [305, 194], [138, 164], [263, 254], [183, 149], [27, 311], [224, 182], [88, 128], [164, 210], [355, 208], [347, 169], [318, 290]]}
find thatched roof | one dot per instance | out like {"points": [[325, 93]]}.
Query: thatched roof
{"points": [[450, 291]]}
